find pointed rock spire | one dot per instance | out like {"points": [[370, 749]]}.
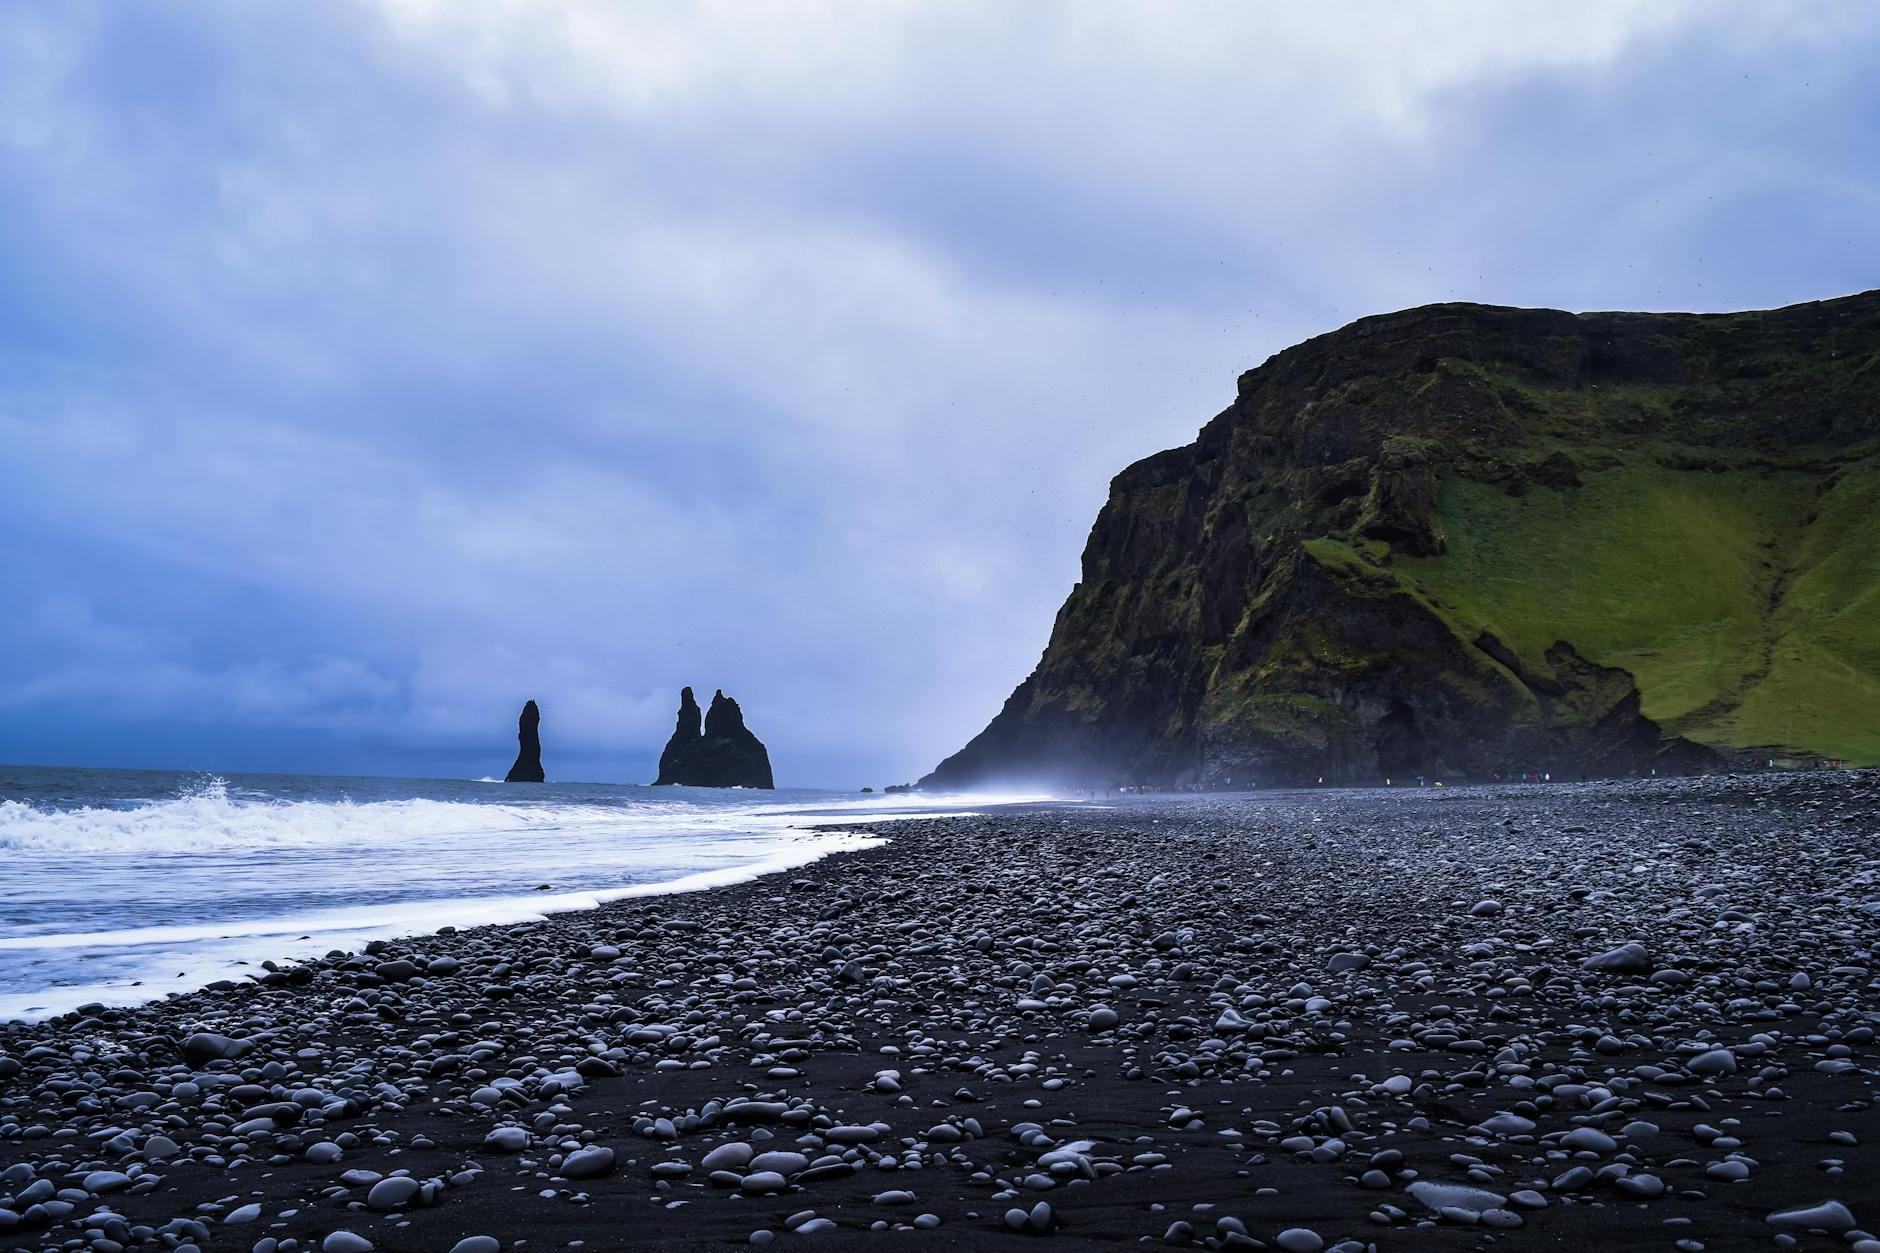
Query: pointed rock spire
{"points": [[528, 767], [685, 737], [724, 717]]}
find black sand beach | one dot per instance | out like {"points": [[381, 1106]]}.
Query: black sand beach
{"points": [[1615, 1016]]}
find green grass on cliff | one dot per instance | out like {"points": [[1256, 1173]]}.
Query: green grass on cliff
{"points": [[1746, 606]]}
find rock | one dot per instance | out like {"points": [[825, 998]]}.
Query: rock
{"points": [[735, 1155], [1714, 1062], [762, 1183], [589, 1163], [1437, 1197], [477, 1244], [1627, 959], [723, 754], [242, 1214], [1827, 1216], [389, 1194], [105, 1182], [1588, 1139], [528, 767], [204, 1047], [345, 1242], [781, 1160], [1299, 1240]]}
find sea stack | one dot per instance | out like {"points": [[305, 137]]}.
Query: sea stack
{"points": [[723, 753], [528, 767]]}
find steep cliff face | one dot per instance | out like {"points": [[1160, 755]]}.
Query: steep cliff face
{"points": [[1469, 540], [723, 754], [528, 767]]}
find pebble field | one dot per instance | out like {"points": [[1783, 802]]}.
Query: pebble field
{"points": [[1593, 1016]]}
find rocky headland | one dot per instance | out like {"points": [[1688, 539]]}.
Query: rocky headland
{"points": [[528, 767], [721, 753], [1469, 541], [1636, 1016]]}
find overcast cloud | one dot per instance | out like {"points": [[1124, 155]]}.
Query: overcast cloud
{"points": [[367, 369]]}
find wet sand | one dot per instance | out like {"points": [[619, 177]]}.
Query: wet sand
{"points": [[1606, 1015]]}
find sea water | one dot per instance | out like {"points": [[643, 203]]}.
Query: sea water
{"points": [[120, 886]]}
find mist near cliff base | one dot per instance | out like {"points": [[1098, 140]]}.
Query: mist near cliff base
{"points": [[369, 370]]}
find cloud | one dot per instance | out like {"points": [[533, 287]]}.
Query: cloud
{"points": [[367, 369]]}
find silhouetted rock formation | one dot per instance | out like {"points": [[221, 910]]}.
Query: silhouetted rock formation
{"points": [[528, 767], [723, 754], [685, 738]]}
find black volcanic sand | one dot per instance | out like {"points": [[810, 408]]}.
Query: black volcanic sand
{"points": [[1594, 1016]]}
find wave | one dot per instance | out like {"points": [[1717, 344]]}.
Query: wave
{"points": [[210, 815], [208, 819]]}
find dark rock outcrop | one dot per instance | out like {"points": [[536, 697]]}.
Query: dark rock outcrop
{"points": [[528, 767], [1469, 541], [723, 753]]}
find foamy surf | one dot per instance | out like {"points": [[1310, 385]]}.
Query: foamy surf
{"points": [[118, 897]]}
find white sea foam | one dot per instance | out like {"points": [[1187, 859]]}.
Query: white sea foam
{"points": [[208, 818], [203, 823]]}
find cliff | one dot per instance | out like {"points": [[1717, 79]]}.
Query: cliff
{"points": [[528, 767], [724, 753], [1469, 541]]}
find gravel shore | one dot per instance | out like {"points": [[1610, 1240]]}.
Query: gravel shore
{"points": [[1609, 1016]]}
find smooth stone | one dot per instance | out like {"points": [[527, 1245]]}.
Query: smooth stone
{"points": [[389, 1194], [1627, 959], [762, 1183], [735, 1155], [477, 1244], [1588, 1139], [101, 1182], [507, 1139], [781, 1161], [1828, 1216], [588, 1163], [1437, 1197], [1299, 1240]]}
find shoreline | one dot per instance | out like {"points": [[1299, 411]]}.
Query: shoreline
{"points": [[350, 924], [1206, 1019], [128, 961]]}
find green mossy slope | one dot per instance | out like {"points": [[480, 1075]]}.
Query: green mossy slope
{"points": [[1745, 602]]}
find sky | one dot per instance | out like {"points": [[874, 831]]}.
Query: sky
{"points": [[368, 368]]}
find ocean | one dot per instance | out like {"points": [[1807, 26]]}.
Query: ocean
{"points": [[122, 886]]}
